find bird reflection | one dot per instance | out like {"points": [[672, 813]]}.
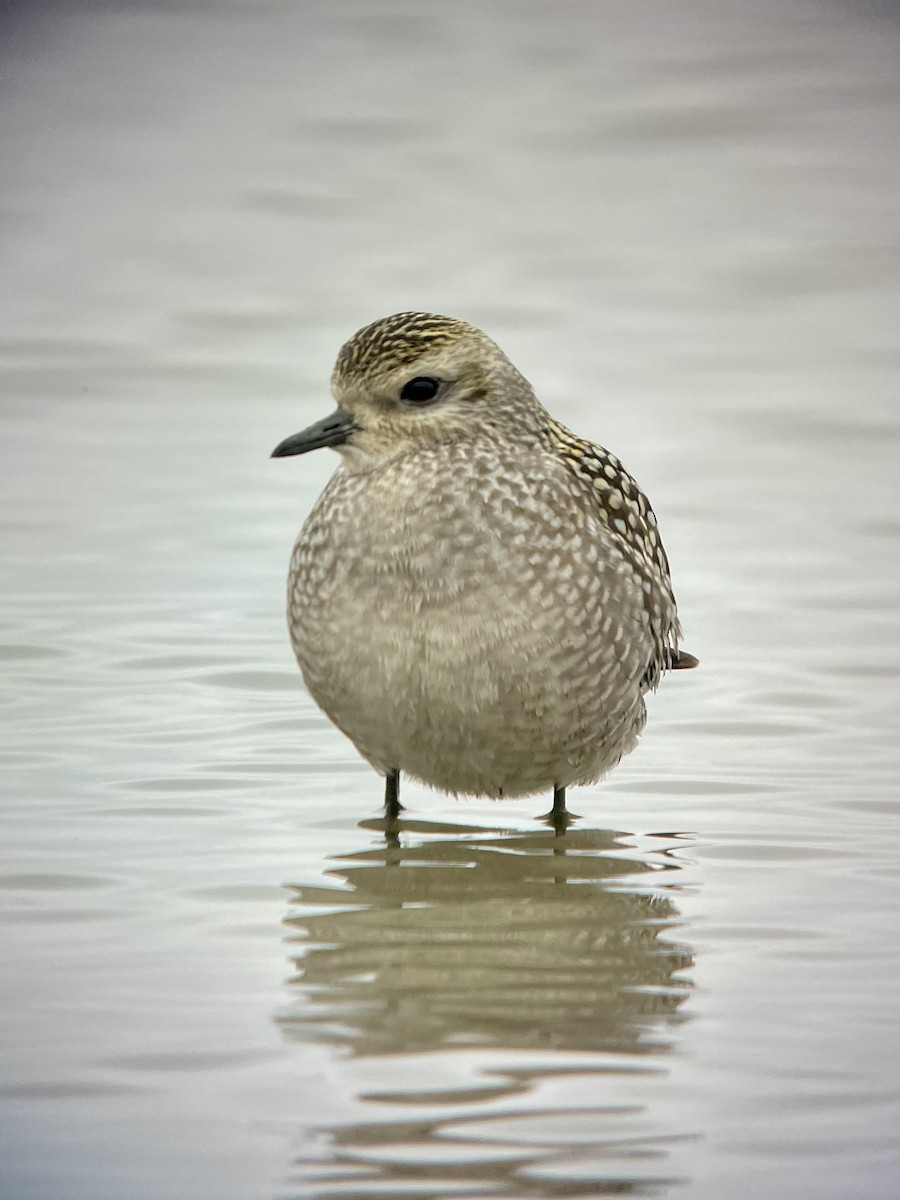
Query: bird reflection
{"points": [[532, 945]]}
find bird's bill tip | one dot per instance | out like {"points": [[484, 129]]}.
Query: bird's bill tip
{"points": [[330, 431]]}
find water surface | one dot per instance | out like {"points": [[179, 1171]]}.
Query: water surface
{"points": [[222, 976]]}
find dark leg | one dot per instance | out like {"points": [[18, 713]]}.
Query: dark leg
{"points": [[392, 805], [559, 816]]}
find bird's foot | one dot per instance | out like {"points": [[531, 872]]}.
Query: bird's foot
{"points": [[559, 816], [392, 806]]}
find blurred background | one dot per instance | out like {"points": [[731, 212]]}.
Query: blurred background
{"points": [[220, 978]]}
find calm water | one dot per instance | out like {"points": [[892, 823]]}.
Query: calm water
{"points": [[220, 979]]}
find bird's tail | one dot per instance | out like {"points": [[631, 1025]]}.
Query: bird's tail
{"points": [[680, 660]]}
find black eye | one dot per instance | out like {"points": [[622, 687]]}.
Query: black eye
{"points": [[420, 390]]}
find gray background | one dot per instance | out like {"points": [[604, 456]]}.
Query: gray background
{"points": [[680, 222]]}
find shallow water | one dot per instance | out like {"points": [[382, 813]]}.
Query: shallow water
{"points": [[221, 977]]}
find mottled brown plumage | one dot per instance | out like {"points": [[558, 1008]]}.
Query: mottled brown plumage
{"points": [[479, 598]]}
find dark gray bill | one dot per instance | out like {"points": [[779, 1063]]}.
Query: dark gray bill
{"points": [[332, 431]]}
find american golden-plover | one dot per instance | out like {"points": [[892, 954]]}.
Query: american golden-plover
{"points": [[479, 598]]}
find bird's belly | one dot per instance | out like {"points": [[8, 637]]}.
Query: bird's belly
{"points": [[486, 690]]}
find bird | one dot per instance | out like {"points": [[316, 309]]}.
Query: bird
{"points": [[479, 599]]}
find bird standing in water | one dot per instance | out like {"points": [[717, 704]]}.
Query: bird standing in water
{"points": [[479, 599]]}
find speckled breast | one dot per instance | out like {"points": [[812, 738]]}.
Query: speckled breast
{"points": [[468, 620]]}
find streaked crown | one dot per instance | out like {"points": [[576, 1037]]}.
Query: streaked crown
{"points": [[400, 340]]}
